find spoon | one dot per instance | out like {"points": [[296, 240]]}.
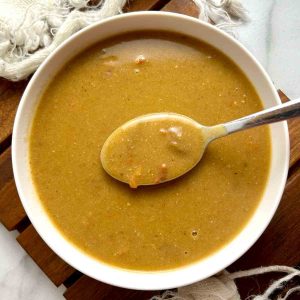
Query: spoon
{"points": [[160, 147]]}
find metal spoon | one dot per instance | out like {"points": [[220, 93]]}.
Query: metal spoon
{"points": [[147, 150]]}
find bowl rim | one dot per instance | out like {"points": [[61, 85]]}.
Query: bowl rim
{"points": [[157, 284]]}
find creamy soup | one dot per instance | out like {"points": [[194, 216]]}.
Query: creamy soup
{"points": [[152, 227]]}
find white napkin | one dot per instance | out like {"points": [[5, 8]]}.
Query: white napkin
{"points": [[31, 29]]}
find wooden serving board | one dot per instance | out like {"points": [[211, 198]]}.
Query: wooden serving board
{"points": [[280, 243]]}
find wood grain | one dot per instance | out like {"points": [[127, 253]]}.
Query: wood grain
{"points": [[186, 7], [10, 94], [88, 288], [53, 266], [11, 209], [133, 5], [294, 132]]}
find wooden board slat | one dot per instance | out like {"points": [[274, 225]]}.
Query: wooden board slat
{"points": [[134, 5], [88, 288], [52, 265], [6, 173], [11, 209], [10, 95], [186, 7], [294, 131], [283, 97]]}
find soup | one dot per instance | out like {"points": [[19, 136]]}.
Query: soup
{"points": [[152, 227]]}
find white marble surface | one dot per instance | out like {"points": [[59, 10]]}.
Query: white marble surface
{"points": [[272, 35]]}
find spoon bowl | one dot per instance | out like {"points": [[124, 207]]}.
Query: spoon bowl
{"points": [[154, 148]]}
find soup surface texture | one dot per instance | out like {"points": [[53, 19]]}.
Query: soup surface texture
{"points": [[156, 227]]}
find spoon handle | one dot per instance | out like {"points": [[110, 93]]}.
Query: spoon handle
{"points": [[274, 114]]}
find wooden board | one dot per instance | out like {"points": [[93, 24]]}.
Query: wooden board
{"points": [[133, 5], [101, 291], [278, 244], [294, 131], [53, 266], [10, 93], [185, 7], [11, 209]]}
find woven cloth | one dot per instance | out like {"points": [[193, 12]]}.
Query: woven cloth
{"points": [[222, 286], [31, 29]]}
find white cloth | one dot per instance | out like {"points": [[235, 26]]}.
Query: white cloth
{"points": [[31, 29], [223, 287]]}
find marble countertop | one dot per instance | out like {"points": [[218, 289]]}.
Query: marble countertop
{"points": [[272, 35]]}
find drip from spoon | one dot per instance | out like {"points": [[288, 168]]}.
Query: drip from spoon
{"points": [[160, 147]]}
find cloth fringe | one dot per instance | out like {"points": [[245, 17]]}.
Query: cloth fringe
{"points": [[225, 14], [223, 287], [43, 25]]}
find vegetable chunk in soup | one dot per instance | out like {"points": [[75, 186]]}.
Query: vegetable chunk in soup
{"points": [[156, 227]]}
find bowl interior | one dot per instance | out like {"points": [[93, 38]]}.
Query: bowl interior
{"points": [[159, 279]]}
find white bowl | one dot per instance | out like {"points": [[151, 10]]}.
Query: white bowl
{"points": [[159, 279]]}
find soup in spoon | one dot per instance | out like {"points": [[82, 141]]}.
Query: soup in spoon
{"points": [[155, 148]]}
